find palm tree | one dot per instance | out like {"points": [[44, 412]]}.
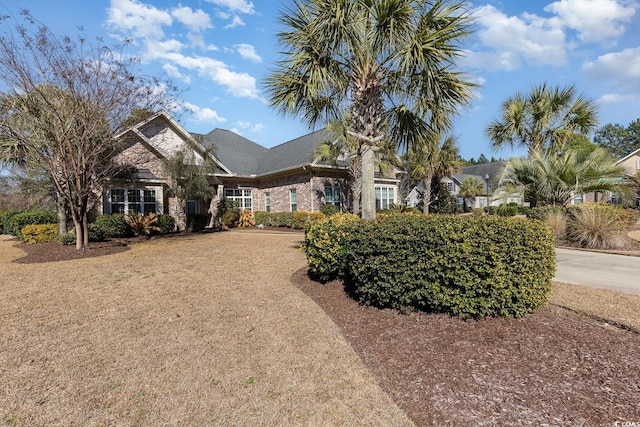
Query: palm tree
{"points": [[547, 118], [388, 63], [555, 178], [340, 145], [470, 188], [436, 157]]}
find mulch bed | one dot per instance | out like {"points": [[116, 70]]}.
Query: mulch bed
{"points": [[554, 367]]}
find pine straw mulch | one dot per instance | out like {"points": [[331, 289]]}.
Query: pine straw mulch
{"points": [[555, 367]]}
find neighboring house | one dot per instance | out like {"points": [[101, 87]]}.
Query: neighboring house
{"points": [[279, 179], [631, 165], [487, 173]]}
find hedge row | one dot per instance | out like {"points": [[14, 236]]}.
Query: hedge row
{"points": [[39, 233], [14, 221], [296, 220], [463, 265], [626, 216]]}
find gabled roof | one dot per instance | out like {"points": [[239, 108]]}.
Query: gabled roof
{"points": [[246, 158], [240, 155], [293, 154], [628, 156]]}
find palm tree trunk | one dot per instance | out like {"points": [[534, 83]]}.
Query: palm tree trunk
{"points": [[368, 186], [426, 195]]}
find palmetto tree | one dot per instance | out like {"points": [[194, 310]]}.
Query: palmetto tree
{"points": [[388, 63], [436, 157], [546, 118], [555, 178], [470, 188]]}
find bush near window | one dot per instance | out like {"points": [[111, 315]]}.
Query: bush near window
{"points": [[302, 218], [39, 233], [329, 209], [324, 246], [166, 224], [230, 218], [113, 225], [142, 224], [282, 219], [198, 222], [68, 238], [17, 221], [504, 210], [262, 217]]}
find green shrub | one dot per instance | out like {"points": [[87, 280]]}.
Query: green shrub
{"points": [[324, 246], [39, 233], [477, 211], [166, 224], [113, 225], [329, 209], [302, 218], [541, 212], [504, 210], [30, 217], [230, 218], [467, 266], [68, 238], [596, 226], [1, 226], [262, 217], [96, 233], [6, 221], [282, 219]]}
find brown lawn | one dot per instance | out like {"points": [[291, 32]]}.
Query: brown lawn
{"points": [[227, 329]]}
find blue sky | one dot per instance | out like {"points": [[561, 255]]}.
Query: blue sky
{"points": [[219, 51]]}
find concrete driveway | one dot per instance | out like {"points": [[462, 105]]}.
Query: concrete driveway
{"points": [[599, 270]]}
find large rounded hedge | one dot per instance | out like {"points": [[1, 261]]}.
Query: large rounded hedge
{"points": [[463, 265]]}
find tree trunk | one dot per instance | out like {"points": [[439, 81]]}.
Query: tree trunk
{"points": [[61, 215], [426, 195], [368, 186]]}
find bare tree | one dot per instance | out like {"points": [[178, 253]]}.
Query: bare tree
{"points": [[62, 102]]}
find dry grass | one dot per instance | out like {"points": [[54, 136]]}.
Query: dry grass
{"points": [[557, 222], [615, 308], [202, 330]]}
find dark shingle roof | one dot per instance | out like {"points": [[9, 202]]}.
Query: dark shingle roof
{"points": [[292, 154], [237, 153], [494, 169], [245, 158]]}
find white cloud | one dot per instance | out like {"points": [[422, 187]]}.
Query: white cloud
{"points": [[238, 84], [173, 72], [621, 68], [196, 21], [251, 127], [513, 40], [242, 6], [204, 115], [142, 20], [236, 131], [235, 22], [594, 20], [247, 51], [616, 98]]}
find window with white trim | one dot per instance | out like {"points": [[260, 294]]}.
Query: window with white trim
{"points": [[385, 196], [450, 186], [333, 196], [240, 195], [130, 200], [293, 199], [267, 202], [578, 199]]}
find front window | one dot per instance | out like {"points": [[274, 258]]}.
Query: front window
{"points": [[267, 202], [450, 186], [293, 198], [385, 197], [578, 199], [240, 195], [130, 200], [333, 196]]}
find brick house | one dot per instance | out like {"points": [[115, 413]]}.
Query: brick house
{"points": [[279, 179]]}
